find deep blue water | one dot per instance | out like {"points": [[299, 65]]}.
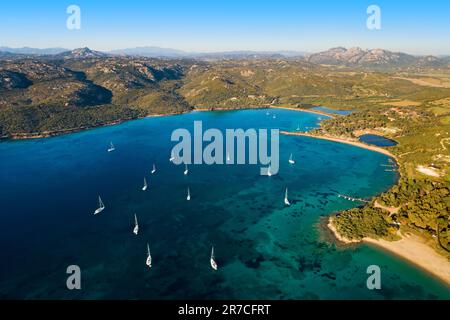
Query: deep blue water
{"points": [[376, 140], [332, 111], [49, 189]]}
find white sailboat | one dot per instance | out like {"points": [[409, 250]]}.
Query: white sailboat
{"points": [[188, 198], [101, 206], [148, 262], [212, 260], [291, 159], [111, 147], [298, 127], [286, 200], [186, 170], [136, 225], [144, 188], [154, 169], [172, 157]]}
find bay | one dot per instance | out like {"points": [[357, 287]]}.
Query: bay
{"points": [[265, 250]]}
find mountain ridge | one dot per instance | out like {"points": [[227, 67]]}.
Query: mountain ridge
{"points": [[341, 56], [372, 58], [81, 53]]}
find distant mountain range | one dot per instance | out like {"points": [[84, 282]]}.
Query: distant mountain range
{"points": [[373, 58], [32, 51], [353, 57], [150, 52]]}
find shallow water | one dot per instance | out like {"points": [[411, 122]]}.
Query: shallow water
{"points": [[264, 249]]}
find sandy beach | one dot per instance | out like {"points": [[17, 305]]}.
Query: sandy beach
{"points": [[342, 140], [411, 248], [305, 110]]}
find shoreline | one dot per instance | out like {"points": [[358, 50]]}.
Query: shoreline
{"points": [[410, 248], [305, 110], [55, 133], [228, 109], [337, 235], [49, 134], [342, 140]]}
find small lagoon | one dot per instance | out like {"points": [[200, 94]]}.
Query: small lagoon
{"points": [[332, 111], [376, 140]]}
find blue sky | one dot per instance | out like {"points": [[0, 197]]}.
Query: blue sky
{"points": [[420, 27]]}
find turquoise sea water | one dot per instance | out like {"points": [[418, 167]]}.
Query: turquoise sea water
{"points": [[49, 189]]}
